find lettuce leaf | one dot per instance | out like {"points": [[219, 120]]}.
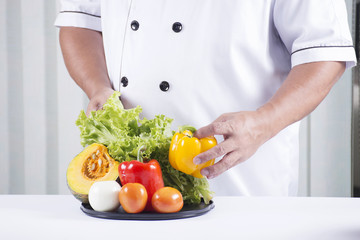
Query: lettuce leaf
{"points": [[123, 132]]}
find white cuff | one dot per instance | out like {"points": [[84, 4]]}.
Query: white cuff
{"points": [[78, 19], [324, 53]]}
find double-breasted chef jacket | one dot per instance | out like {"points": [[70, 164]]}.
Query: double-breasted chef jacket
{"points": [[195, 60]]}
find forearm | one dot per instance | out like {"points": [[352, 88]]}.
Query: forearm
{"points": [[302, 91], [84, 58]]}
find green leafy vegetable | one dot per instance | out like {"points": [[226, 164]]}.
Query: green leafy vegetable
{"points": [[123, 132]]}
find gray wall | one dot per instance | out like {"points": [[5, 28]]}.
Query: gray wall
{"points": [[39, 102], [325, 155]]}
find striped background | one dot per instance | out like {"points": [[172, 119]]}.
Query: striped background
{"points": [[39, 104], [38, 101]]}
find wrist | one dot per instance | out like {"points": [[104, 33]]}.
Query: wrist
{"points": [[97, 89], [269, 120]]}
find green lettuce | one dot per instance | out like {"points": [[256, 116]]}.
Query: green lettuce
{"points": [[124, 133]]}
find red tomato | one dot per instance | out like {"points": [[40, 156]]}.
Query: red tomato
{"points": [[167, 200], [133, 197]]}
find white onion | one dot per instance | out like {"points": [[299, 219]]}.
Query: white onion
{"points": [[104, 196]]}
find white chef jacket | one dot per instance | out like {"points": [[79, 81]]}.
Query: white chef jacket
{"points": [[195, 60]]}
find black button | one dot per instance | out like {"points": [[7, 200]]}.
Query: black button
{"points": [[124, 81], [164, 86], [177, 27], [135, 25]]}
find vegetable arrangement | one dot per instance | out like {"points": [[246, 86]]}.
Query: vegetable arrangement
{"points": [[126, 137]]}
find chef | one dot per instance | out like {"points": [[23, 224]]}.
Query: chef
{"points": [[244, 71]]}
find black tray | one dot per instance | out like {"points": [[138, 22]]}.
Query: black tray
{"points": [[186, 212]]}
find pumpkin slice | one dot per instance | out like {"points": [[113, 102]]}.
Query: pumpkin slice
{"points": [[93, 164]]}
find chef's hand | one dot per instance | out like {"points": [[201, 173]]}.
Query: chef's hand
{"points": [[243, 132], [98, 99]]}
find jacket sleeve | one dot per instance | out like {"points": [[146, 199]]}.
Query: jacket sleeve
{"points": [[314, 30], [79, 13]]}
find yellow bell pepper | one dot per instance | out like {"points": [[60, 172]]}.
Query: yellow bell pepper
{"points": [[184, 147]]}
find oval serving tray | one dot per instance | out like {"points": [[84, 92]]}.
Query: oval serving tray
{"points": [[186, 212]]}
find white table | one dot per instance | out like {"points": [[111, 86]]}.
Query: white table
{"points": [[60, 217]]}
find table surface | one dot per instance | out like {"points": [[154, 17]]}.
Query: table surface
{"points": [[60, 217]]}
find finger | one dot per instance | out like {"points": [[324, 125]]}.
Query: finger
{"points": [[215, 128], [88, 111], [214, 152], [92, 107], [228, 161]]}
